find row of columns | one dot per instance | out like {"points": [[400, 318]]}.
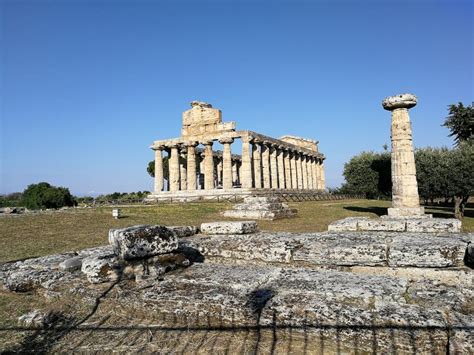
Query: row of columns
{"points": [[263, 165]]}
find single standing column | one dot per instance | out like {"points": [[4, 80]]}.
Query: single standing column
{"points": [[174, 168], [273, 167], [281, 167], [309, 169], [208, 165], [183, 181], [159, 169], [304, 168], [287, 163], [299, 169], [266, 165], [405, 199], [257, 164], [294, 171], [191, 165], [318, 170], [246, 169], [227, 163]]}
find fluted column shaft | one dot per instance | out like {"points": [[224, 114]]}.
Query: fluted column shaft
{"points": [[287, 166], [257, 165], [159, 169], [405, 188], [299, 170], [266, 166], [208, 166], [183, 181], [246, 169], [322, 177], [226, 163], [174, 169], [191, 166], [304, 168], [281, 168], [315, 173], [309, 167], [294, 170], [273, 168]]}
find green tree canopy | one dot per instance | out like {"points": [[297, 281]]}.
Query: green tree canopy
{"points": [[461, 123], [44, 195]]}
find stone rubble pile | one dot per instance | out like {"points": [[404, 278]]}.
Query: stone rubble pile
{"points": [[261, 208]]}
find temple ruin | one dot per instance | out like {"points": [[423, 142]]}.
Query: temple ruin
{"points": [[289, 166]]}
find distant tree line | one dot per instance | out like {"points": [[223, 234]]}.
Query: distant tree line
{"points": [[442, 173], [44, 196]]}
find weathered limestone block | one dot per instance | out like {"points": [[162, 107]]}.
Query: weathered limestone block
{"points": [[184, 231], [261, 208], [275, 247], [244, 227], [142, 241], [379, 224], [340, 249], [71, 264], [461, 340], [100, 269], [433, 225], [424, 250], [154, 267], [346, 225]]}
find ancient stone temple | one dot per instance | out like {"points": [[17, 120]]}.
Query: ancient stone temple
{"points": [[288, 166]]}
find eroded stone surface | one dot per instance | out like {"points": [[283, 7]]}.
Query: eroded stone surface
{"points": [[261, 208], [346, 225], [433, 225], [244, 227], [101, 268], [143, 241]]}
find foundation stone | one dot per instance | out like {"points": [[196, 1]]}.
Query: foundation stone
{"points": [[262, 208], [229, 227]]}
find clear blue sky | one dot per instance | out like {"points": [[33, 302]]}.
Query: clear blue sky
{"points": [[86, 86]]}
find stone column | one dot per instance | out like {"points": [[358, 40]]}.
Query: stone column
{"points": [[191, 165], [246, 169], [287, 167], [294, 170], [266, 165], [235, 172], [304, 168], [299, 169], [281, 167], [405, 199], [174, 168], [314, 167], [226, 163], [273, 167], [159, 169], [183, 181], [309, 169], [202, 169], [219, 172], [208, 165], [257, 164], [323, 179]]}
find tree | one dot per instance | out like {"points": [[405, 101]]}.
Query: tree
{"points": [[369, 174], [432, 173], [461, 179], [44, 195], [461, 123]]}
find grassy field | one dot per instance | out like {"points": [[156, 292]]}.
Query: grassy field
{"points": [[42, 234]]}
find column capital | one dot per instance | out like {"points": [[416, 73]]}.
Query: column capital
{"points": [[159, 147], [191, 144], [404, 101], [226, 140], [207, 142]]}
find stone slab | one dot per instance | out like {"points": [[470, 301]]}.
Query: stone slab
{"points": [[142, 241], [424, 250], [241, 227], [433, 225], [346, 225], [382, 225]]}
